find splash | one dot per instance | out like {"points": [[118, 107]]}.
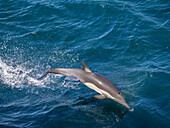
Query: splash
{"points": [[132, 110], [18, 76], [18, 69]]}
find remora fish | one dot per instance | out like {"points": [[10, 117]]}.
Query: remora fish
{"points": [[94, 81]]}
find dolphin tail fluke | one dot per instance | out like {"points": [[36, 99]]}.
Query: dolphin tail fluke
{"points": [[47, 71]]}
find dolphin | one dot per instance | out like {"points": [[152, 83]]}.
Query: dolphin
{"points": [[94, 81]]}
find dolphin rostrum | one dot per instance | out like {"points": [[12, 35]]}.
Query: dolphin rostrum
{"points": [[94, 81]]}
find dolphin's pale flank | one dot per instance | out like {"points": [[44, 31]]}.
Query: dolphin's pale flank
{"points": [[95, 81]]}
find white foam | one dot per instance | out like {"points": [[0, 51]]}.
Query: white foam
{"points": [[17, 76], [132, 110]]}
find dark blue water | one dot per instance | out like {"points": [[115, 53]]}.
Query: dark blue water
{"points": [[126, 41]]}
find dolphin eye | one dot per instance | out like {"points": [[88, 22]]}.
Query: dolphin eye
{"points": [[118, 92]]}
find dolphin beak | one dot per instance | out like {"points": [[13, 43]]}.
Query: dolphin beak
{"points": [[127, 106], [123, 103]]}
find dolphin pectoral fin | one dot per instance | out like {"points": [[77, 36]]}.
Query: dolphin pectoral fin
{"points": [[100, 97]]}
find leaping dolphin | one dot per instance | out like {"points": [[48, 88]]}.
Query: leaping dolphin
{"points": [[94, 81]]}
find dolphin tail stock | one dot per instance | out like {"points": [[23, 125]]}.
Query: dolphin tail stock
{"points": [[62, 71], [45, 73]]}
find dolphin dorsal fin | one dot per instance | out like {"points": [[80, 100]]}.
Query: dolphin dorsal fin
{"points": [[85, 67]]}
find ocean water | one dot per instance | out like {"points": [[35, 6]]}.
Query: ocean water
{"points": [[127, 41]]}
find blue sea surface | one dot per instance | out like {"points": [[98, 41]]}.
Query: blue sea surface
{"points": [[127, 41]]}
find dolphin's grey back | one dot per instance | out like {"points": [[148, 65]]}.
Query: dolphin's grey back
{"points": [[99, 81], [87, 77]]}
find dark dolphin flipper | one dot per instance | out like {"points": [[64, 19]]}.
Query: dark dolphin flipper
{"points": [[45, 73]]}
